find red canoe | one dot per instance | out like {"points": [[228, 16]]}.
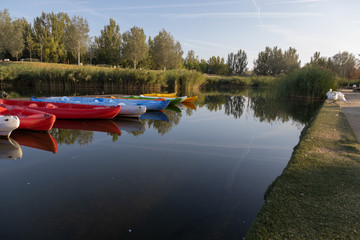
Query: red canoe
{"points": [[68, 110], [29, 119], [40, 140], [108, 126]]}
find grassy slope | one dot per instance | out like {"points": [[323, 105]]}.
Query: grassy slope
{"points": [[318, 194]]}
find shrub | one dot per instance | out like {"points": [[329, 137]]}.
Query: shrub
{"points": [[308, 82]]}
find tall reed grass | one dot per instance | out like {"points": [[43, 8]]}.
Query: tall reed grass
{"points": [[240, 81], [47, 75], [307, 82]]}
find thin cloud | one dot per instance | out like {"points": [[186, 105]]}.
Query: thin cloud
{"points": [[235, 15], [185, 5], [298, 1], [209, 44], [258, 14]]}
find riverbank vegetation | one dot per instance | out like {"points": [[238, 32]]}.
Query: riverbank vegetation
{"points": [[63, 76], [297, 205]]}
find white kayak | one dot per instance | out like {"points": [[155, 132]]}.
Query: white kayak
{"points": [[125, 109], [10, 149], [8, 123]]}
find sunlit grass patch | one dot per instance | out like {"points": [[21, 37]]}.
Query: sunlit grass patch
{"points": [[317, 195]]}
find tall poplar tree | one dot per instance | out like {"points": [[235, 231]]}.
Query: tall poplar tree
{"points": [[109, 44], [134, 47], [77, 36], [165, 52], [11, 34], [49, 34], [237, 62]]}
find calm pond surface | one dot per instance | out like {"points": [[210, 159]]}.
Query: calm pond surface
{"points": [[196, 174]]}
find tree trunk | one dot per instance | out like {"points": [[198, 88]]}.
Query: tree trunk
{"points": [[134, 64], [79, 62], [41, 53]]}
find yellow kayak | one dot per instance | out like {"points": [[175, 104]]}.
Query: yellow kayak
{"points": [[190, 99], [169, 95], [189, 105], [160, 95]]}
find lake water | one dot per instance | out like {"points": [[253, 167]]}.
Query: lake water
{"points": [[200, 175]]}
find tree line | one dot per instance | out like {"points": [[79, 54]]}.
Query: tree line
{"points": [[59, 38]]}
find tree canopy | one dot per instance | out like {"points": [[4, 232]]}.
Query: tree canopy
{"points": [[11, 34], [165, 52], [134, 46], [237, 63], [77, 36], [109, 43], [273, 62]]}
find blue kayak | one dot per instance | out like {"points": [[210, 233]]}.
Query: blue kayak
{"points": [[155, 115], [150, 104]]}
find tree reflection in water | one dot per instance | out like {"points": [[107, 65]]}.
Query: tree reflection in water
{"points": [[258, 104], [235, 106], [70, 136], [164, 127]]}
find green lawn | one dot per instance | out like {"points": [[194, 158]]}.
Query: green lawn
{"points": [[318, 194]]}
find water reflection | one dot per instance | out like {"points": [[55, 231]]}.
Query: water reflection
{"points": [[35, 139], [260, 107], [71, 136], [155, 115], [133, 126], [200, 175], [10, 149], [108, 126]]}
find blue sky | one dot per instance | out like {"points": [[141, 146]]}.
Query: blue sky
{"points": [[216, 28]]}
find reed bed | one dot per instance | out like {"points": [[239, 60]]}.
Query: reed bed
{"points": [[47, 75], [241, 81]]}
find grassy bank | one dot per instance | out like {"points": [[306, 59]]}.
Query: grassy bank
{"points": [[317, 195], [40, 75], [240, 81]]}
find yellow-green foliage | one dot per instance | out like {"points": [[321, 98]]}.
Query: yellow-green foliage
{"points": [[309, 82], [317, 195]]}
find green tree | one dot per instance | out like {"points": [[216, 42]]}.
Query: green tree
{"points": [[316, 60], [17, 43], [272, 62], [109, 44], [40, 34], [165, 52], [49, 31], [52, 52], [134, 47], [237, 63], [203, 65], [30, 44], [77, 36], [11, 34], [191, 61], [216, 65], [92, 50], [291, 61], [5, 30], [344, 64]]}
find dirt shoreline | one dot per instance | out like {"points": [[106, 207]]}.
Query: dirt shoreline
{"points": [[351, 109]]}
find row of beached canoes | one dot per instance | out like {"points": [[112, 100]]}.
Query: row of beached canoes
{"points": [[41, 113]]}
